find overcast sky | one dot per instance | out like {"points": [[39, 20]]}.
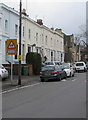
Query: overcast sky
{"points": [[68, 15]]}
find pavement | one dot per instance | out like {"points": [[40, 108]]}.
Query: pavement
{"points": [[9, 84]]}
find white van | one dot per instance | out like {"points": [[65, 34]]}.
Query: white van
{"points": [[80, 66]]}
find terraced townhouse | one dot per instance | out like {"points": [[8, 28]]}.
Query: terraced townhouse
{"points": [[36, 37]]}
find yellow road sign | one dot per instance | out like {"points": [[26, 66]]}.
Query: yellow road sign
{"points": [[19, 57], [11, 46]]}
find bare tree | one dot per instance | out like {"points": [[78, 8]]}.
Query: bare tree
{"points": [[81, 38]]}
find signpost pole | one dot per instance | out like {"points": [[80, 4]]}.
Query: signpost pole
{"points": [[19, 78], [11, 49], [11, 68]]}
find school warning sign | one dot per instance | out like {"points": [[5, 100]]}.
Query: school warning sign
{"points": [[11, 46]]}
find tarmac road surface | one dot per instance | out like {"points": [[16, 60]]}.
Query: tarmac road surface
{"points": [[53, 99]]}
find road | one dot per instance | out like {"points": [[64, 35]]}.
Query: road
{"points": [[53, 99]]}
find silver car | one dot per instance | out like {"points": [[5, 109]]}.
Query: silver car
{"points": [[68, 68], [3, 72]]}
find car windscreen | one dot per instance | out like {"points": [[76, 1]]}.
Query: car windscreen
{"points": [[49, 63], [65, 67], [57, 63], [79, 64], [49, 68]]}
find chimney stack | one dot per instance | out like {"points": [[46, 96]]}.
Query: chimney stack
{"points": [[39, 21], [52, 28], [24, 12]]}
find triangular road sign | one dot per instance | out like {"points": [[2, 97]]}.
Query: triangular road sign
{"points": [[11, 45]]}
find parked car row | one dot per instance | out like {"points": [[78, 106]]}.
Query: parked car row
{"points": [[57, 70], [52, 70]]}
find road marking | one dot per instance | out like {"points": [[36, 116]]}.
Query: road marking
{"points": [[64, 80], [18, 88], [74, 80]]}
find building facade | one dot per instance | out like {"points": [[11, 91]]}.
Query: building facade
{"points": [[72, 51], [9, 27], [36, 37]]}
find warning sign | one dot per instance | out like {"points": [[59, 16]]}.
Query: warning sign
{"points": [[11, 47]]}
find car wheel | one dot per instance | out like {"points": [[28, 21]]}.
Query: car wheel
{"points": [[70, 74], [65, 75], [42, 80], [73, 75], [85, 70], [60, 78]]}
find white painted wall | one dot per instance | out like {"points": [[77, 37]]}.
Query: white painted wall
{"points": [[12, 18]]}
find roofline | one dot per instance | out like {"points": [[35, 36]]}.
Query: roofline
{"points": [[27, 17], [9, 8], [42, 26]]}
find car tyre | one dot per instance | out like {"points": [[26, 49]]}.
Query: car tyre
{"points": [[73, 75], [60, 78], [42, 80], [65, 75], [70, 74]]}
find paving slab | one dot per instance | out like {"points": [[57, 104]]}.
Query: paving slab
{"points": [[25, 80]]}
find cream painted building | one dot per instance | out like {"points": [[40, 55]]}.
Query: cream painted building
{"points": [[39, 38]]}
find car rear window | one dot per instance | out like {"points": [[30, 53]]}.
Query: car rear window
{"points": [[79, 64], [48, 68]]}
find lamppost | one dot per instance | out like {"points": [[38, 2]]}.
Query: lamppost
{"points": [[19, 78]]}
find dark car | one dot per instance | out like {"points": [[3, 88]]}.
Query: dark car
{"points": [[50, 72]]}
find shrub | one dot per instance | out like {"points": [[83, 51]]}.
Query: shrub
{"points": [[35, 60]]}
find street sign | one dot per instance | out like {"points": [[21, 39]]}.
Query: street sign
{"points": [[19, 57], [11, 46]]}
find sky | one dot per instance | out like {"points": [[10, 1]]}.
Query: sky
{"points": [[67, 15]]}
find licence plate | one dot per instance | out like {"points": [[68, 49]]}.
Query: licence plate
{"points": [[78, 68], [48, 73]]}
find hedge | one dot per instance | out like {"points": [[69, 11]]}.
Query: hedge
{"points": [[35, 60]]}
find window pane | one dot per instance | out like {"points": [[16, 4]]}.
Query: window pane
{"points": [[6, 25]]}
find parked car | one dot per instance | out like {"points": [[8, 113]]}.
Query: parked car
{"points": [[3, 72], [80, 66], [69, 69], [52, 72], [53, 63]]}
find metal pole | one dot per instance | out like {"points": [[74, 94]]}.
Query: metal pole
{"points": [[11, 68], [19, 79]]}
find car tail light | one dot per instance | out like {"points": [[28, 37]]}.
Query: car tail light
{"points": [[40, 73], [55, 72]]}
